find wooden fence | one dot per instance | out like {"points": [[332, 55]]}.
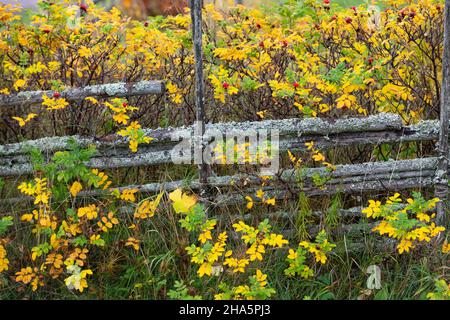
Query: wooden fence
{"points": [[355, 178], [227, 190], [293, 133]]}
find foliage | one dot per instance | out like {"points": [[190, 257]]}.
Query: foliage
{"points": [[442, 291], [306, 59], [214, 260], [65, 231], [81, 237], [410, 224]]}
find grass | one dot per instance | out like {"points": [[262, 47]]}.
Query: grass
{"points": [[151, 272], [161, 260]]}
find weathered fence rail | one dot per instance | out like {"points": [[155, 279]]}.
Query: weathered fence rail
{"points": [[293, 133], [120, 89]]}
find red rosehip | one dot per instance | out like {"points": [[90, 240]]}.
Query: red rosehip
{"points": [[261, 44], [348, 20], [354, 8], [124, 104], [296, 84], [333, 18], [225, 85], [145, 24], [56, 95], [326, 1], [84, 7], [370, 60]]}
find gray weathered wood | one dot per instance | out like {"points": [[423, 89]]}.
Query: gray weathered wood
{"points": [[199, 147], [357, 178], [379, 125], [120, 89], [383, 128], [441, 180]]}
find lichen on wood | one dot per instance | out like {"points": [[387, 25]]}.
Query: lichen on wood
{"points": [[120, 89], [293, 133]]}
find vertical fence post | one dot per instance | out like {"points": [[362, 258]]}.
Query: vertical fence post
{"points": [[441, 187], [199, 144]]}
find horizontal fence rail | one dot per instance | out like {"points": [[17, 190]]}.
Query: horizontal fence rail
{"points": [[109, 90], [357, 178], [293, 133]]}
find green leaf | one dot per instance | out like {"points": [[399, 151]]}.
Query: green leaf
{"points": [[80, 241], [5, 223]]}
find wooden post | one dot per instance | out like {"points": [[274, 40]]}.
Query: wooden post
{"points": [[196, 17], [441, 187]]}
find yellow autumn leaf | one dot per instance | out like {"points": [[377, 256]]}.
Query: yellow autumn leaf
{"points": [[23, 121], [19, 84], [270, 201], [181, 202], [446, 247], [91, 100], [75, 188], [84, 52]]}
